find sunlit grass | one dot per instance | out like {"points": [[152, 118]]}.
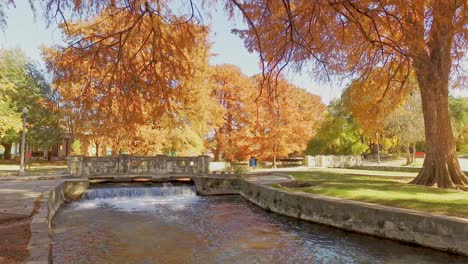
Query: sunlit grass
{"points": [[391, 191]]}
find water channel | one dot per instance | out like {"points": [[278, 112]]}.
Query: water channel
{"points": [[171, 224]]}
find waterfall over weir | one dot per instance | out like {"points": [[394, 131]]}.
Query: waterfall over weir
{"points": [[138, 198], [167, 189]]}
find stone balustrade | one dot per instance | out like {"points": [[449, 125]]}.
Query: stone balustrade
{"points": [[124, 164]]}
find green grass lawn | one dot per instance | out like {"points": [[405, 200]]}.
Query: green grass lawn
{"points": [[11, 168], [392, 190]]}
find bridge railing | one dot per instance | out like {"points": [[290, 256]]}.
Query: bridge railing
{"points": [[124, 164]]}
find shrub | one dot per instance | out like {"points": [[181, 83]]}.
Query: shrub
{"points": [[76, 147]]}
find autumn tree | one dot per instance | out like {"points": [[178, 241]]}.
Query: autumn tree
{"points": [[11, 74], [385, 109], [371, 101], [355, 38], [234, 138], [459, 114], [152, 73], [339, 133], [23, 85], [287, 121]]}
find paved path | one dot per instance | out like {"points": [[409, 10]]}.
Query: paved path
{"points": [[29, 231], [270, 179], [338, 171], [18, 197]]}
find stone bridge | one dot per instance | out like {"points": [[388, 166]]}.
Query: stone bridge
{"points": [[124, 164]]}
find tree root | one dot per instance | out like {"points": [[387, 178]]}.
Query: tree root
{"points": [[448, 175]]}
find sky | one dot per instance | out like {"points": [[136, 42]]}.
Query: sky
{"points": [[29, 32]]}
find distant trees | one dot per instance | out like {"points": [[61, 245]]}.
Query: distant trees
{"points": [[255, 124], [234, 138], [407, 124], [371, 101], [9, 137], [23, 85], [459, 114], [385, 109], [339, 134], [369, 110], [11, 75], [287, 121], [159, 99]]}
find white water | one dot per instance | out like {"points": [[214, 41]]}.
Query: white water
{"points": [[144, 199], [140, 192]]}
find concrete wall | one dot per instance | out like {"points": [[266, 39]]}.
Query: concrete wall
{"points": [[439, 232], [40, 246], [219, 165], [81, 166], [331, 161]]}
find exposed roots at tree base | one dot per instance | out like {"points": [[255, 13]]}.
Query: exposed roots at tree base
{"points": [[448, 176]]}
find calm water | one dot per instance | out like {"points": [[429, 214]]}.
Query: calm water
{"points": [[173, 225]]}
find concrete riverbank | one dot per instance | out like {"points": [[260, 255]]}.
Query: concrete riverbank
{"points": [[435, 231]]}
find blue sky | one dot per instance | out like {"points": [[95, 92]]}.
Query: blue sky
{"points": [[28, 33]]}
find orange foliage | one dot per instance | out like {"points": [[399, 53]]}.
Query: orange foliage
{"points": [[287, 122], [371, 101], [134, 76], [236, 93], [264, 126]]}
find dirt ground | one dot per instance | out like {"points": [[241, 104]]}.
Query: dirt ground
{"points": [[14, 239]]}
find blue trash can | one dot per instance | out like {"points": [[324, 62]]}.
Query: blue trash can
{"points": [[252, 162]]}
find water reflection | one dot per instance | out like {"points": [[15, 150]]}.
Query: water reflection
{"points": [[160, 227]]}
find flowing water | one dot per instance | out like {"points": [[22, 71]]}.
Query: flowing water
{"points": [[171, 224]]}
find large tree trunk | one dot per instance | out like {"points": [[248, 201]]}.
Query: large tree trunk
{"points": [[441, 165], [217, 152], [433, 67], [7, 153], [97, 148]]}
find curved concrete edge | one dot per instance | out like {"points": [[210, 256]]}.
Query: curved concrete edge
{"points": [[40, 243], [438, 232]]}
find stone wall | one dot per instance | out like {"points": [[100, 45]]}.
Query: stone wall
{"points": [[40, 244], [82, 166], [219, 165], [439, 232], [331, 161]]}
